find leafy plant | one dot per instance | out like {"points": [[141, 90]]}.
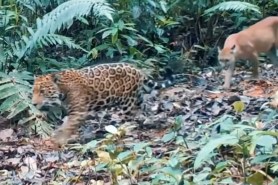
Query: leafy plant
{"points": [[240, 141], [132, 160], [61, 17], [15, 92], [233, 5]]}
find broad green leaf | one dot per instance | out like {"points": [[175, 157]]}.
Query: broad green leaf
{"points": [[89, 146], [131, 29], [145, 39], [139, 146], [173, 162], [228, 180], [265, 141], [8, 92], [5, 80], [168, 137], [21, 106], [151, 2], [121, 25], [222, 119], [220, 166], [159, 48], [106, 33], [94, 53], [102, 47], [163, 5], [101, 167], [5, 86], [114, 38], [260, 158], [10, 102], [226, 125], [271, 133], [124, 155], [172, 172], [200, 177], [211, 145], [256, 179], [130, 41], [274, 167]]}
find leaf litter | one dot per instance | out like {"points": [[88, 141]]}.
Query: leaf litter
{"points": [[199, 101]]}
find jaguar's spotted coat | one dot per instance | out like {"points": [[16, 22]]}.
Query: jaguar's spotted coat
{"points": [[88, 89]]}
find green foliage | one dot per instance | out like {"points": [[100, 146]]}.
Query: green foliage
{"points": [[230, 151], [243, 141], [133, 160], [15, 92], [213, 144], [233, 5], [61, 17], [45, 36]]}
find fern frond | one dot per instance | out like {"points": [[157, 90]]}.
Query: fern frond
{"points": [[49, 39], [42, 128], [18, 108], [15, 91], [62, 17], [233, 5], [9, 102]]}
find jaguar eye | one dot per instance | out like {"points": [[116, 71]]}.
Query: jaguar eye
{"points": [[42, 91]]}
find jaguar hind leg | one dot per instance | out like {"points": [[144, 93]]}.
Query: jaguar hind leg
{"points": [[128, 105]]}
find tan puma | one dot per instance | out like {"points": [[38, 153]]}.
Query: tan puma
{"points": [[247, 44]]}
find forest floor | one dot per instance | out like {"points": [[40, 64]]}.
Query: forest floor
{"points": [[195, 103]]}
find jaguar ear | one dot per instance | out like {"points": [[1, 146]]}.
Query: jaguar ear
{"points": [[55, 77]]}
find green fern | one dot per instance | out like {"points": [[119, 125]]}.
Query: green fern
{"points": [[54, 39], [15, 92], [61, 17], [233, 5]]}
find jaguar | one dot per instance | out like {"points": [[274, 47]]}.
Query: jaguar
{"points": [[88, 89]]}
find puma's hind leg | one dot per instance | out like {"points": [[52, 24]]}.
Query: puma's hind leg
{"points": [[273, 56], [255, 66]]}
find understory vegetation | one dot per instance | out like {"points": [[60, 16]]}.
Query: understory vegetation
{"points": [[196, 135]]}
